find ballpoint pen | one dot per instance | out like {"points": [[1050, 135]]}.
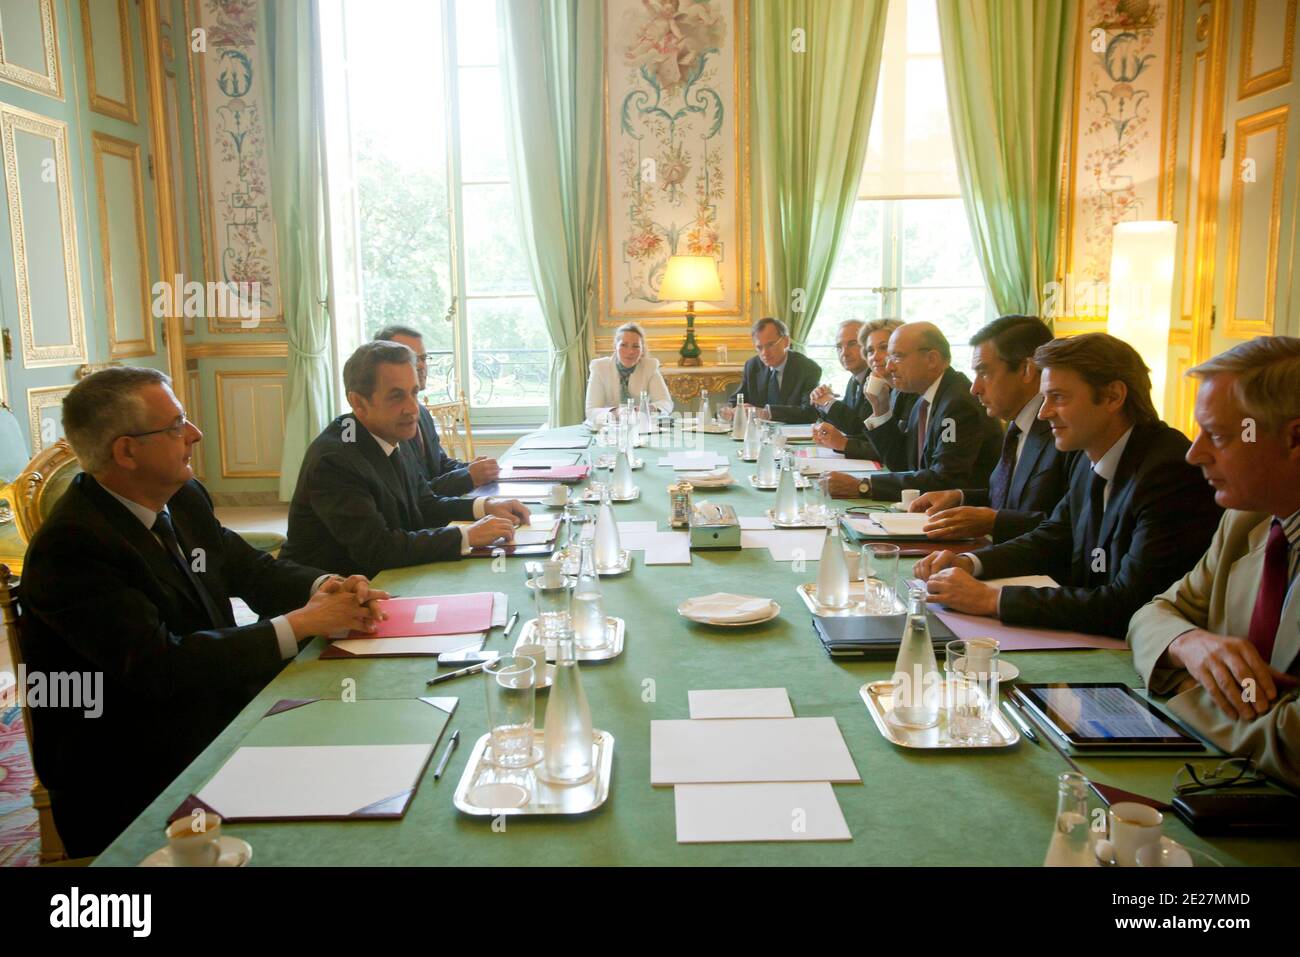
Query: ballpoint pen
{"points": [[1021, 723], [472, 669], [510, 625], [446, 754]]}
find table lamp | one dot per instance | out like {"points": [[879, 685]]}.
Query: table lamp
{"points": [[1141, 295], [693, 279]]}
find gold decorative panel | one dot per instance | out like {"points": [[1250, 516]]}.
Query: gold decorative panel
{"points": [[45, 219], [1265, 28], [45, 415], [126, 285], [250, 422], [195, 415], [39, 73], [101, 101], [1260, 202]]}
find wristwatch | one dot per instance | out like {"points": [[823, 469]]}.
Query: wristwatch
{"points": [[864, 488]]}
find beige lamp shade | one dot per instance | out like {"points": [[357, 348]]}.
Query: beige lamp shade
{"points": [[691, 278], [1141, 295]]}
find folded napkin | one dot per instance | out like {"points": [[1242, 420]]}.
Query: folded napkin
{"points": [[711, 479], [725, 607]]}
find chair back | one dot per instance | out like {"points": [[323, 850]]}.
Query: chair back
{"points": [[37, 490], [453, 428], [10, 606]]}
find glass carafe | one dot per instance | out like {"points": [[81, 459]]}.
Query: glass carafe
{"points": [[588, 606], [832, 569], [705, 417], [1071, 844], [643, 412], [609, 552], [916, 673], [767, 462], [739, 420], [567, 751], [750, 449]]}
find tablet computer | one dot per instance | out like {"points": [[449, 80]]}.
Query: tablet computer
{"points": [[1104, 715]]}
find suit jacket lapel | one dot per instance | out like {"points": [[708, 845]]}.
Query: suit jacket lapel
{"points": [[1121, 488], [378, 461], [1036, 442]]}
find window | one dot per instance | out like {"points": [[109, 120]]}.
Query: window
{"points": [[413, 88], [908, 252]]}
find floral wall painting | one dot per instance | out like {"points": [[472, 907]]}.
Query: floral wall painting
{"points": [[676, 184], [233, 110], [1115, 171]]}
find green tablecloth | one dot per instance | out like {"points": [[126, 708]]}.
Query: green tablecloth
{"points": [[993, 808]]}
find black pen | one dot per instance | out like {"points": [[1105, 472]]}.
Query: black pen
{"points": [[472, 669], [1025, 729], [446, 754]]}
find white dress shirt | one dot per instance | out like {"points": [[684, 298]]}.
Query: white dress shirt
{"points": [[861, 376], [288, 644]]}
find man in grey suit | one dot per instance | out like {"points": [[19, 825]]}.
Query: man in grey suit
{"points": [[1224, 640]]}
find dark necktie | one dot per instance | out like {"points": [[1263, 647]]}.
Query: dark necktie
{"points": [[1000, 480], [1272, 590], [853, 394], [1096, 510], [773, 388], [922, 423], [163, 528]]}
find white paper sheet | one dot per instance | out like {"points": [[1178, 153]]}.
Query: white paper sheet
{"points": [[661, 548], [797, 431], [749, 749], [893, 523], [740, 703], [624, 528], [426, 645], [817, 466], [784, 544], [693, 461], [755, 523], [1032, 581], [533, 536], [500, 601], [322, 781], [711, 813], [425, 614]]}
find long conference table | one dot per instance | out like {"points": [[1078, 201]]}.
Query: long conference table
{"points": [[994, 807]]}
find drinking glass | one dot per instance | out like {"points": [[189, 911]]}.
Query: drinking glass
{"points": [[817, 503], [554, 608], [510, 701], [971, 689], [880, 577]]}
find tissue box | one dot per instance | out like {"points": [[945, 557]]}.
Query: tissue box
{"points": [[715, 526]]}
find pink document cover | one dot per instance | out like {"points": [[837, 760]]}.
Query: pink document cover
{"points": [[1015, 638], [455, 615], [559, 473]]}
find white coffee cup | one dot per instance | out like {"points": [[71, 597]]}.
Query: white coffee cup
{"points": [[876, 385], [910, 495], [1132, 827], [195, 841], [559, 494]]}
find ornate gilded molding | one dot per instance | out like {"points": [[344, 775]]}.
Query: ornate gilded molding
{"points": [[1252, 84], [38, 400], [222, 431], [1245, 128], [13, 119], [118, 109], [118, 347], [49, 82], [241, 350]]}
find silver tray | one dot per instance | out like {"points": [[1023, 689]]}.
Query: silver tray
{"points": [[590, 494], [615, 629], [800, 481], [542, 798], [808, 592], [609, 459], [715, 429], [878, 697], [622, 568], [799, 524]]}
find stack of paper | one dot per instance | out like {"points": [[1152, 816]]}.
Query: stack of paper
{"points": [[694, 461], [418, 646], [743, 768]]}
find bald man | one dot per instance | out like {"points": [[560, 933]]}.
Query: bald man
{"points": [[936, 433]]}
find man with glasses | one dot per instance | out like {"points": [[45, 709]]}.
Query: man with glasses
{"points": [[776, 378], [446, 475], [935, 436], [130, 578], [1224, 640], [822, 402]]}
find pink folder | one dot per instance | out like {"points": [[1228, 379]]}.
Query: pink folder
{"points": [[434, 615], [1016, 638], [558, 473]]}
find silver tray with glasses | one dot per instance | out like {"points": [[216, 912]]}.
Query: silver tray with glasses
{"points": [[615, 628], [610, 459], [801, 523], [622, 568], [878, 696], [488, 791], [800, 481], [590, 494], [857, 607]]}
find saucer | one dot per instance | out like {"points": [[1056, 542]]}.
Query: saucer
{"points": [[235, 852], [776, 610], [1006, 670]]}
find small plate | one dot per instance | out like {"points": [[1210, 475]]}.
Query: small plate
{"points": [[235, 852], [776, 611], [624, 566], [569, 582], [800, 481], [802, 523], [1006, 670]]}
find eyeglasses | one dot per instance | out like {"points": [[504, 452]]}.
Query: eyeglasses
{"points": [[1232, 773], [175, 430]]}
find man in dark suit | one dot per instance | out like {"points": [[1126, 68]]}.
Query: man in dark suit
{"points": [[1032, 474], [447, 476], [777, 377], [935, 435], [821, 402], [870, 388], [1136, 516], [360, 503], [130, 578]]}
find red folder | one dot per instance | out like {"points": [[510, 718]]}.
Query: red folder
{"points": [[559, 473], [433, 615]]}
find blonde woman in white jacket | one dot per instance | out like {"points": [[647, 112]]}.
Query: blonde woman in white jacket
{"points": [[625, 375]]}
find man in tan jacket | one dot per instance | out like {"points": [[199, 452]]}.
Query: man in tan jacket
{"points": [[1224, 640]]}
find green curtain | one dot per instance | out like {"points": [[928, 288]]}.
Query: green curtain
{"points": [[816, 64], [298, 204], [553, 56], [1006, 65]]}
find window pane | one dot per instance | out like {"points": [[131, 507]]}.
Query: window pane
{"points": [[958, 312], [936, 244], [922, 26], [837, 306], [510, 353], [482, 125], [858, 262], [494, 260], [476, 32], [929, 165]]}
